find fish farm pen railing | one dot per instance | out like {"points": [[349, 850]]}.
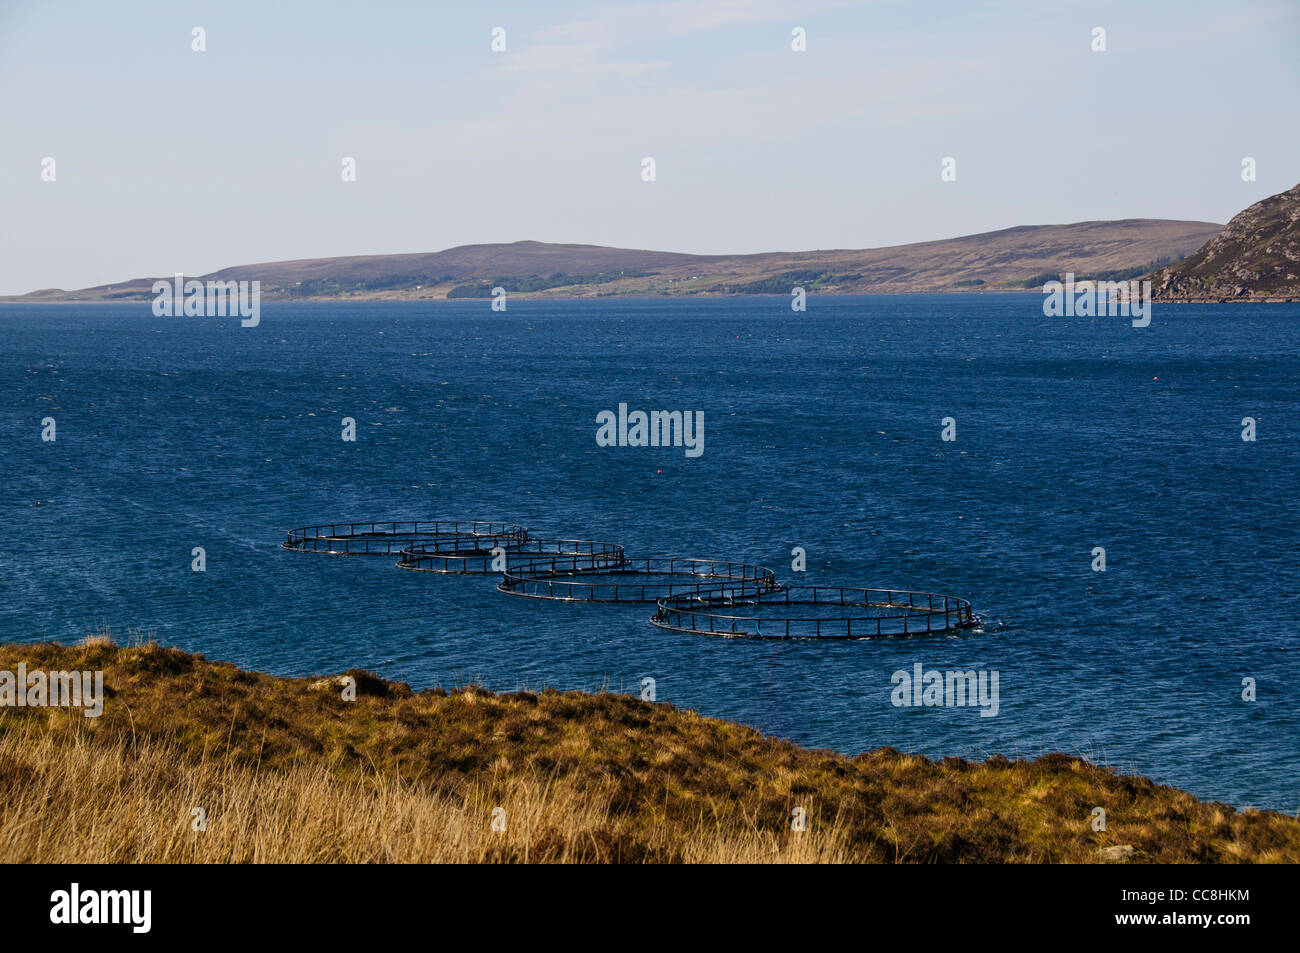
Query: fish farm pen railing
{"points": [[893, 612], [378, 538], [671, 575], [699, 596], [477, 557]]}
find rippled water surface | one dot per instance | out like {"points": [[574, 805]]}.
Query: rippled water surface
{"points": [[822, 430]]}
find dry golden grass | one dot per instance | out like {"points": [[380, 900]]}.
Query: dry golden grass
{"points": [[90, 803], [288, 771]]}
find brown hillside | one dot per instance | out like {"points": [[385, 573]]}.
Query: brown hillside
{"points": [[287, 770], [1255, 258], [1010, 259]]}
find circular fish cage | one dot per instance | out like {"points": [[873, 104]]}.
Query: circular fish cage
{"points": [[493, 555], [639, 580], [384, 538], [815, 612], [699, 596]]}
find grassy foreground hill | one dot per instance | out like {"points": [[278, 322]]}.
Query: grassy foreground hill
{"points": [[1012, 259], [287, 770]]}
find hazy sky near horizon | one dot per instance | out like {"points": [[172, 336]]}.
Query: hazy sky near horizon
{"points": [[172, 160]]}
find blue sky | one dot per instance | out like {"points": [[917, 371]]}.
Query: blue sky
{"points": [[171, 160]]}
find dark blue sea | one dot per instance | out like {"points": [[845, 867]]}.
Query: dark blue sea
{"points": [[822, 430]]}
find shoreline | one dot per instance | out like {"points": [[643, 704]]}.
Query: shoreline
{"points": [[695, 296]]}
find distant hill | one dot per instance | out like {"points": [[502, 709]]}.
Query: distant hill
{"points": [[1011, 259], [1255, 258]]}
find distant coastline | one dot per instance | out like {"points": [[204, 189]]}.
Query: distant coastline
{"points": [[1249, 259], [1014, 260]]}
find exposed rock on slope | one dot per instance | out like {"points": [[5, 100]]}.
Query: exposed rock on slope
{"points": [[1255, 258]]}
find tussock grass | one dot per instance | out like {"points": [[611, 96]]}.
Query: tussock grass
{"points": [[123, 803], [286, 770]]}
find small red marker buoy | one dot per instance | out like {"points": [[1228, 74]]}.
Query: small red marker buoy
{"points": [[1155, 378], [659, 471]]}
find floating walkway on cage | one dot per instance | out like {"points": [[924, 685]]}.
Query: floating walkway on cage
{"points": [[701, 596]]}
